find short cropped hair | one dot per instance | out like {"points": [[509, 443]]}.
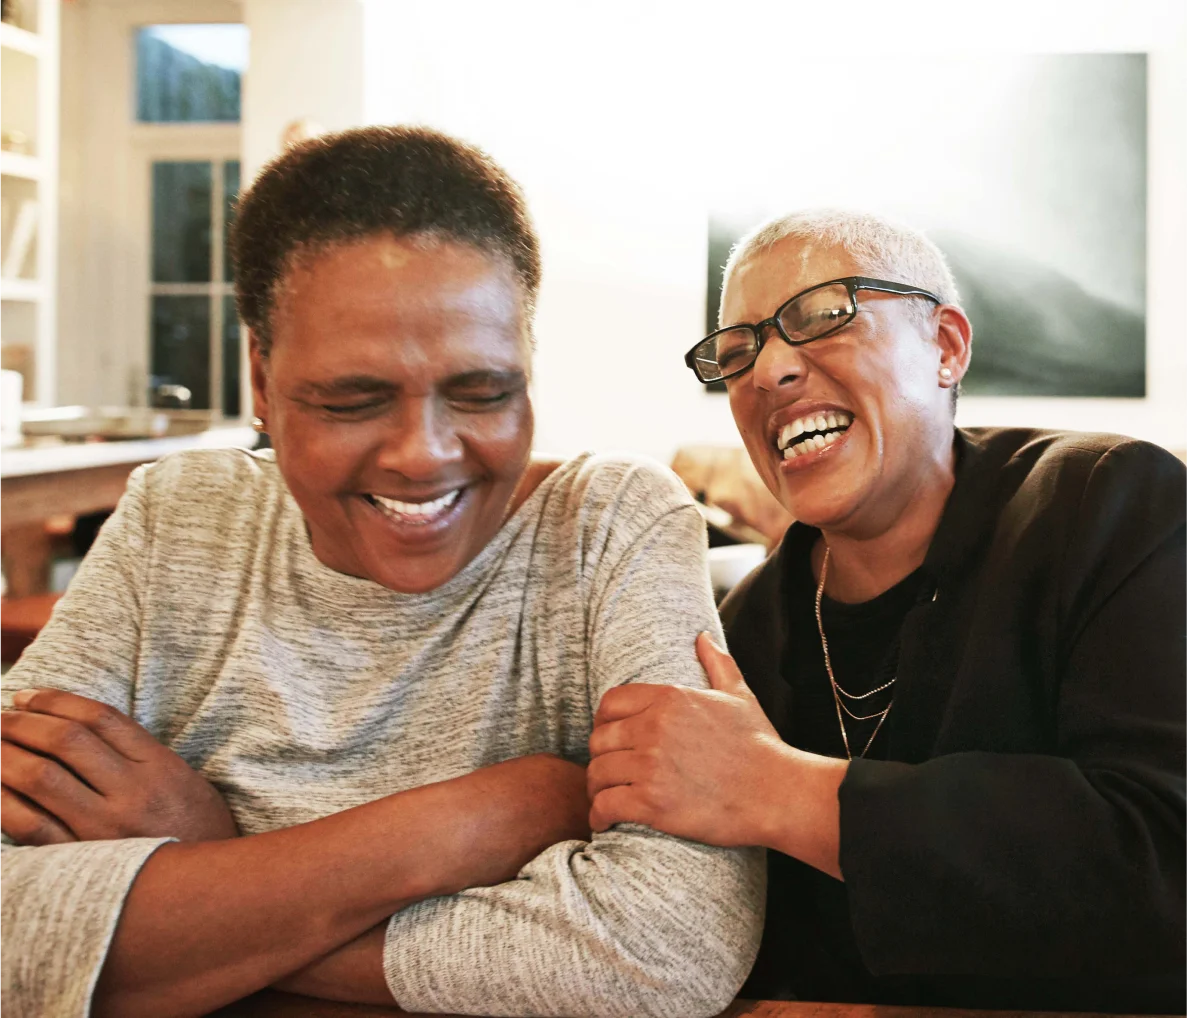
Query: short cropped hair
{"points": [[401, 181], [880, 247]]}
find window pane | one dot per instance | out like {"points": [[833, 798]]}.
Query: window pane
{"points": [[181, 347], [181, 222], [230, 194], [230, 358], [189, 72]]}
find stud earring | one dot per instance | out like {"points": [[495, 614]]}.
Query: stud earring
{"points": [[946, 374], [258, 423]]}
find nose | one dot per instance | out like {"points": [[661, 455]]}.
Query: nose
{"points": [[778, 362], [420, 440]]}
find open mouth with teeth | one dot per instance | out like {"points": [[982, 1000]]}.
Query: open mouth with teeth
{"points": [[416, 513], [811, 433]]}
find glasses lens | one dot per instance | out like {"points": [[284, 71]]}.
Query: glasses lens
{"points": [[724, 353], [817, 312]]}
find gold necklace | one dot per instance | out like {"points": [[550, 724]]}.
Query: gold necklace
{"points": [[837, 690]]}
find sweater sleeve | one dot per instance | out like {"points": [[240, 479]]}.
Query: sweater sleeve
{"points": [[1015, 865], [61, 903], [633, 923]]}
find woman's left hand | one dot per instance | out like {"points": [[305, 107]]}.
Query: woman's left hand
{"points": [[75, 769], [696, 763]]}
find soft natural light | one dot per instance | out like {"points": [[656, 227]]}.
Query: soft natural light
{"points": [[221, 45]]}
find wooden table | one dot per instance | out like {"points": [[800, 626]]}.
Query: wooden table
{"points": [[272, 1004], [38, 481]]}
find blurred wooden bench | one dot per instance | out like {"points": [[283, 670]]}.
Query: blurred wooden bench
{"points": [[21, 619]]}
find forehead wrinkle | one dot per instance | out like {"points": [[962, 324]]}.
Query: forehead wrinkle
{"points": [[770, 276], [818, 263], [473, 303]]}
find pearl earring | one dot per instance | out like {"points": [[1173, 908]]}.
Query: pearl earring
{"points": [[258, 423], [946, 374]]}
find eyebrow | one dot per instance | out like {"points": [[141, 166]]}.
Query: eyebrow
{"points": [[367, 385], [485, 377], [347, 385]]}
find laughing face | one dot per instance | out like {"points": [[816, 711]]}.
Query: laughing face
{"points": [[846, 430], [396, 397]]}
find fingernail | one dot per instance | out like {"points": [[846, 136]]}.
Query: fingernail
{"points": [[22, 696]]}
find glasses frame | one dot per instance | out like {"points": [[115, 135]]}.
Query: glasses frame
{"points": [[852, 285]]}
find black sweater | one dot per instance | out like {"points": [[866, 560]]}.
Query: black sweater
{"points": [[1022, 843]]}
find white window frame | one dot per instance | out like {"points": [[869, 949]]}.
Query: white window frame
{"points": [[109, 306], [216, 144]]}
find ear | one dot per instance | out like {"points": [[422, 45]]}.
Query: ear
{"points": [[259, 377], [954, 336]]}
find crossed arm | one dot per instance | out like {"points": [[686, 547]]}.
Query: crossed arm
{"points": [[629, 922], [216, 917]]}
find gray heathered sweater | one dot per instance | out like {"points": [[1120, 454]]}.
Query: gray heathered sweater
{"points": [[299, 692]]}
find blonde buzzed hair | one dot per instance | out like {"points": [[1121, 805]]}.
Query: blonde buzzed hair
{"points": [[880, 247]]}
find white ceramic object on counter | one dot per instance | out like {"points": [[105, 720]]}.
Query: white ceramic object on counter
{"points": [[11, 393], [729, 564]]}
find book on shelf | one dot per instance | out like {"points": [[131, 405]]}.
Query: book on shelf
{"points": [[19, 240]]}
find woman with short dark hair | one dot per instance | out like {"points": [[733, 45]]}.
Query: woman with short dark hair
{"points": [[355, 676]]}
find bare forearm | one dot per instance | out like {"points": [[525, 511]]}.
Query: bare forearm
{"points": [[205, 924], [802, 816], [353, 972], [208, 923]]}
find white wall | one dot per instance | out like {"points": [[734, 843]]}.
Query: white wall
{"points": [[600, 123], [306, 61], [616, 117]]}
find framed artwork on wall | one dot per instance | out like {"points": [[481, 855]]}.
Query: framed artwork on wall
{"points": [[1030, 173]]}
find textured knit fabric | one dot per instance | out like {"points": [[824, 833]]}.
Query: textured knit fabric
{"points": [[299, 692]]}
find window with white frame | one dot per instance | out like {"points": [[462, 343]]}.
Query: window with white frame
{"points": [[187, 108]]}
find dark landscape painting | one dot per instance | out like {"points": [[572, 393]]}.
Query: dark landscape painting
{"points": [[1042, 216]]}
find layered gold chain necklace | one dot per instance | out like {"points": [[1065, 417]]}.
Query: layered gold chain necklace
{"points": [[838, 691]]}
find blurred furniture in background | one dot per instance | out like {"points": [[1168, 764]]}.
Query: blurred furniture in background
{"points": [[743, 518], [729, 564], [21, 619], [164, 419], [723, 477], [49, 477]]}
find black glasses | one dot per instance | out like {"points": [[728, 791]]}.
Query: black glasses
{"points": [[811, 314]]}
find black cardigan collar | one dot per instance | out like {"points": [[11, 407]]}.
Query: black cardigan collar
{"points": [[755, 610]]}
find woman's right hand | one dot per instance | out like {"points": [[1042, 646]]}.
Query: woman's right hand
{"points": [[507, 814]]}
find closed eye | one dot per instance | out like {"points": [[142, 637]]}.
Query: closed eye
{"points": [[347, 409], [480, 400]]}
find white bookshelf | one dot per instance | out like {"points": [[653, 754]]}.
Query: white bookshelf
{"points": [[29, 291], [13, 164], [20, 40], [29, 66]]}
